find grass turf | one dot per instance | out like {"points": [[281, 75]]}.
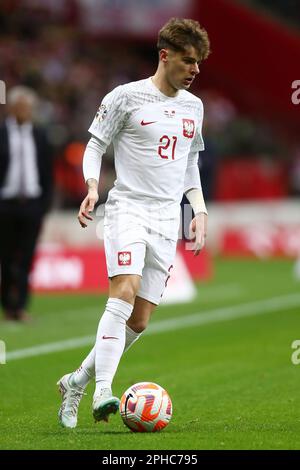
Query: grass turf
{"points": [[232, 383]]}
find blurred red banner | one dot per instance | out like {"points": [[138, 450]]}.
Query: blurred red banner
{"points": [[84, 269], [262, 242]]}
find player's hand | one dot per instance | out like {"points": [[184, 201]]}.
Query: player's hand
{"points": [[87, 206], [197, 231]]}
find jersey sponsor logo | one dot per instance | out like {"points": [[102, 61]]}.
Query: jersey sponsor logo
{"points": [[188, 128], [109, 337], [169, 113], [124, 258], [143, 123], [101, 113]]}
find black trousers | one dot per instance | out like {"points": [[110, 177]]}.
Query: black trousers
{"points": [[20, 224]]}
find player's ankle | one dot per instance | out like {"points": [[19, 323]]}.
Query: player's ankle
{"points": [[101, 384], [80, 382]]}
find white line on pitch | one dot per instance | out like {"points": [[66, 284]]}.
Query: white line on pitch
{"points": [[259, 307], [208, 294]]}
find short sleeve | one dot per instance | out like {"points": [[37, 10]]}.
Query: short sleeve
{"points": [[198, 143], [110, 116]]}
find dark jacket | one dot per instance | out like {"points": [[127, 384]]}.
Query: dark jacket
{"points": [[44, 162]]}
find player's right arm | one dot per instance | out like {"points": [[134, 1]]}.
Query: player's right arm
{"points": [[92, 160], [108, 121], [88, 204]]}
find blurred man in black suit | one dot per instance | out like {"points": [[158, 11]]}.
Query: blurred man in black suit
{"points": [[25, 194]]}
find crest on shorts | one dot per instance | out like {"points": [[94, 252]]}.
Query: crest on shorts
{"points": [[188, 128], [101, 113], [124, 258]]}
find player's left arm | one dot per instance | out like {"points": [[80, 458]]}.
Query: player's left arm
{"points": [[194, 194]]}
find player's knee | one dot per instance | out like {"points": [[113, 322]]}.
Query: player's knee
{"points": [[127, 293], [137, 325]]}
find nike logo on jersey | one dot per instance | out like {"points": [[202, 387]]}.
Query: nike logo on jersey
{"points": [[109, 337], [143, 123]]}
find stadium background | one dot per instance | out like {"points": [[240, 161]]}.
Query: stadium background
{"points": [[222, 343]]}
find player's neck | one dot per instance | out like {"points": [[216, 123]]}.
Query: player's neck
{"points": [[159, 80]]}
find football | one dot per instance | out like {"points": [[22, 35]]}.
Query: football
{"points": [[146, 407]]}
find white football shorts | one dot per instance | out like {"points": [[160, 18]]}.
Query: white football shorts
{"points": [[131, 248]]}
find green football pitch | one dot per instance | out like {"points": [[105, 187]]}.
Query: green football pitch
{"points": [[225, 360]]}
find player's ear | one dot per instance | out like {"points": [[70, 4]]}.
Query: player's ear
{"points": [[163, 55]]}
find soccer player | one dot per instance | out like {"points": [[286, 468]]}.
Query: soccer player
{"points": [[155, 126]]}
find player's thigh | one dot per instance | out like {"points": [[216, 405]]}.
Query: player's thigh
{"points": [[124, 287], [125, 258], [141, 314], [157, 270], [125, 250]]}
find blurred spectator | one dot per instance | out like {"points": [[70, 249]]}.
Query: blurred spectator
{"points": [[25, 193], [70, 72], [247, 178], [288, 10], [219, 113], [68, 175]]}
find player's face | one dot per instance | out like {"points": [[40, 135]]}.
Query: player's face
{"points": [[182, 68]]}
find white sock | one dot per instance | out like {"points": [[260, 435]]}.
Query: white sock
{"points": [[131, 337], [82, 376], [85, 372], [110, 341]]}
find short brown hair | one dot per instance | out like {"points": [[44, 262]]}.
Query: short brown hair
{"points": [[178, 33]]}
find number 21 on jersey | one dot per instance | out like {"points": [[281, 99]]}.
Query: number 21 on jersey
{"points": [[168, 147]]}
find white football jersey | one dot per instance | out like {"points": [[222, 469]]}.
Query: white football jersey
{"points": [[152, 135]]}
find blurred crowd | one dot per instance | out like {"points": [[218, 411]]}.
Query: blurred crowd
{"points": [[284, 10], [71, 71]]}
